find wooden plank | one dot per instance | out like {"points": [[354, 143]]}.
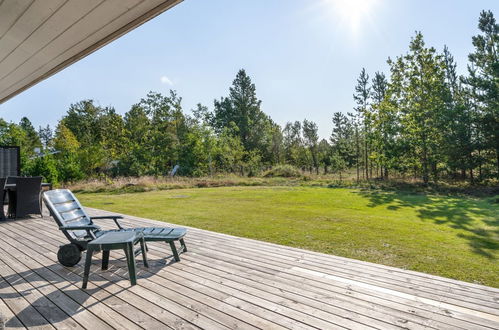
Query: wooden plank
{"points": [[237, 288], [291, 271], [460, 283], [83, 298], [371, 314], [121, 290], [317, 282], [35, 291], [9, 320], [167, 290], [236, 276], [487, 303], [318, 290], [101, 316], [447, 282], [203, 322], [211, 255], [124, 305], [219, 309], [354, 266], [375, 267], [177, 291], [21, 308], [265, 312]]}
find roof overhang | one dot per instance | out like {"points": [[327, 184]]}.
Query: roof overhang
{"points": [[41, 37]]}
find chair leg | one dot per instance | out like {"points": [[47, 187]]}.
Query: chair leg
{"points": [[182, 244], [2, 212], [174, 250], [41, 205], [143, 247], [11, 210], [88, 262], [126, 255], [132, 271], [105, 259]]}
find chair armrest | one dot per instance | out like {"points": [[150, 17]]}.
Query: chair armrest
{"points": [[89, 227], [113, 217]]}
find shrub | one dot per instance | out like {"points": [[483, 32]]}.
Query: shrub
{"points": [[46, 167], [284, 171]]}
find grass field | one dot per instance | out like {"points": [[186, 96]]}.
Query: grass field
{"points": [[451, 236]]}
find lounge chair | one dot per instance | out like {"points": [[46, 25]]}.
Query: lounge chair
{"points": [[80, 229]]}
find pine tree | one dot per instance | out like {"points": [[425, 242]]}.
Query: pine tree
{"points": [[311, 138], [380, 131], [32, 138], [241, 112], [325, 155], [46, 134], [362, 118], [343, 139], [425, 101], [293, 143], [459, 127], [483, 82]]}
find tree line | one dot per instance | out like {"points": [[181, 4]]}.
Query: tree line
{"points": [[420, 120]]}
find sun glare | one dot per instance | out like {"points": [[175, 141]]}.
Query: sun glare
{"points": [[352, 14]]}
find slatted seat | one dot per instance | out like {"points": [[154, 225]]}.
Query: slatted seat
{"points": [[80, 229]]}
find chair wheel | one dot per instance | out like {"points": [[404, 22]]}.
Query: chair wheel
{"points": [[69, 255]]}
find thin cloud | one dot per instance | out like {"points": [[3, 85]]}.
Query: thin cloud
{"points": [[166, 80]]}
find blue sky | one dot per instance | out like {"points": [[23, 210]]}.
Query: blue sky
{"points": [[303, 55]]}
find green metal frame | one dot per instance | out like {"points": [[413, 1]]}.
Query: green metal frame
{"points": [[126, 245]]}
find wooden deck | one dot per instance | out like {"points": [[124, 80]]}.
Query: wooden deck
{"points": [[225, 282]]}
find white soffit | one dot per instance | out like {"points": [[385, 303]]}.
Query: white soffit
{"points": [[41, 37]]}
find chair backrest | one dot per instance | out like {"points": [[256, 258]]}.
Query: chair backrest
{"points": [[12, 179], [28, 192], [9, 180], [67, 211]]}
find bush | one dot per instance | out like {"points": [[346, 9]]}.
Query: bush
{"points": [[45, 167], [69, 168], [283, 171]]}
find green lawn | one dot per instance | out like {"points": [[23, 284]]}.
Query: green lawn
{"points": [[456, 237]]}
